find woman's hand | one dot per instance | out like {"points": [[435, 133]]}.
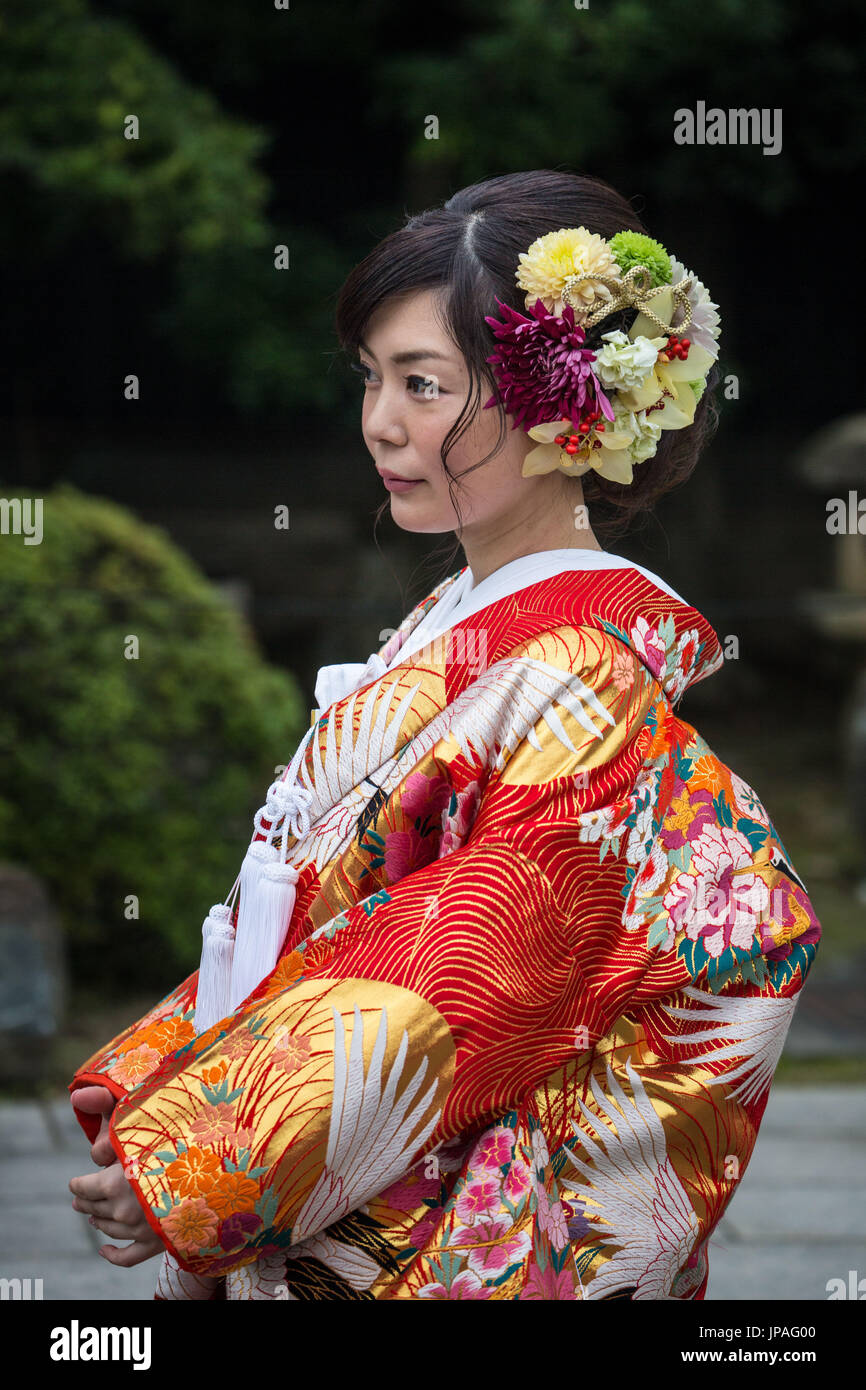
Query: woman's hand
{"points": [[107, 1196], [97, 1100], [115, 1209]]}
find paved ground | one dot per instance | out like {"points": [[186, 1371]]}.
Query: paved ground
{"points": [[41, 1237], [798, 1220]]}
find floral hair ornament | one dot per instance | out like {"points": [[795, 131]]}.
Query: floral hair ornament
{"points": [[602, 409]]}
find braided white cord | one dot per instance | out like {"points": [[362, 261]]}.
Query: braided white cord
{"points": [[287, 798], [287, 803]]}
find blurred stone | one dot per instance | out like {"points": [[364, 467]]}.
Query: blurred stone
{"points": [[833, 462], [853, 740], [835, 455], [32, 972]]}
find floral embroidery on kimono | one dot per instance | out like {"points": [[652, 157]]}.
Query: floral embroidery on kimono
{"points": [[543, 956]]}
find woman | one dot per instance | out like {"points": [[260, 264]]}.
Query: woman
{"points": [[514, 955]]}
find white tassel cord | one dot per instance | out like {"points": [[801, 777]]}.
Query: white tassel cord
{"points": [[215, 970], [260, 855], [267, 884], [271, 912], [234, 960]]}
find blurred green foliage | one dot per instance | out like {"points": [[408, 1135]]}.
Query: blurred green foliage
{"points": [[187, 195], [130, 776], [330, 148], [70, 80], [531, 83]]}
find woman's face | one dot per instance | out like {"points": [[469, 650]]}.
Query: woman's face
{"points": [[416, 381]]}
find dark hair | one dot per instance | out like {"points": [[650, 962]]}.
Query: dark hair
{"points": [[468, 248]]}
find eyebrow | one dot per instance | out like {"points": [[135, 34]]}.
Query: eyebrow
{"points": [[410, 355]]}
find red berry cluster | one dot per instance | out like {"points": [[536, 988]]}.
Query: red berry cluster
{"points": [[678, 347], [572, 442]]}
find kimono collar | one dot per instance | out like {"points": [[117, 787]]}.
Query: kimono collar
{"points": [[671, 638]]}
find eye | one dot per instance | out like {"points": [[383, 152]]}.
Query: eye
{"points": [[423, 387], [427, 386]]}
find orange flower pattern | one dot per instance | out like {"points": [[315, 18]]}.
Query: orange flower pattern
{"points": [[233, 1192], [194, 1173]]}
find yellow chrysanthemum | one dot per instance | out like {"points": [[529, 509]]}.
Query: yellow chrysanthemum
{"points": [[545, 267]]}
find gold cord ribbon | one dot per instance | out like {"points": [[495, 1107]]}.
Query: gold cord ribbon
{"points": [[634, 290]]}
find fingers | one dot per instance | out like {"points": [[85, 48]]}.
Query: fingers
{"points": [[106, 1185], [103, 1207], [106, 1194], [91, 1187], [124, 1209], [118, 1229], [131, 1254], [93, 1100], [101, 1151]]}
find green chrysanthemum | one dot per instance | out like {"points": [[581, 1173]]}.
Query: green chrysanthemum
{"points": [[698, 387], [633, 248]]}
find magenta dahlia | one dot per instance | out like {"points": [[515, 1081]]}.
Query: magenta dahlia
{"points": [[543, 371]]}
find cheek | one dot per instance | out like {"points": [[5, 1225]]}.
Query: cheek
{"points": [[501, 474], [484, 436], [365, 411], [429, 428]]}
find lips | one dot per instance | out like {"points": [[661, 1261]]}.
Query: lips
{"points": [[395, 477]]}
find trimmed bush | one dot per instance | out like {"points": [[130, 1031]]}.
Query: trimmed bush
{"points": [[129, 776]]}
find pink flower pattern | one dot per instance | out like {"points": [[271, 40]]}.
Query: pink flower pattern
{"points": [[456, 827], [493, 1246], [406, 851], [700, 810], [482, 1196], [548, 1285], [649, 644], [292, 1052], [721, 898], [217, 1122], [466, 1285], [494, 1149], [517, 1183], [423, 796]]}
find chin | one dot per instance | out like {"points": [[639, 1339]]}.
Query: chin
{"points": [[423, 524]]}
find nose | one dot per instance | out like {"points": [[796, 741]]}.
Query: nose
{"points": [[383, 418]]}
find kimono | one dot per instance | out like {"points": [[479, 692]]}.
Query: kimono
{"points": [[543, 955]]}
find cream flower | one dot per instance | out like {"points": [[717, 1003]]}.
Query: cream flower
{"points": [[647, 436], [624, 363], [549, 261], [643, 428]]}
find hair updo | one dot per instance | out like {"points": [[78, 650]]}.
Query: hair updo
{"points": [[468, 248]]}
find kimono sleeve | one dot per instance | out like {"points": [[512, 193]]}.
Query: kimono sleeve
{"points": [[123, 1063], [421, 1011]]}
